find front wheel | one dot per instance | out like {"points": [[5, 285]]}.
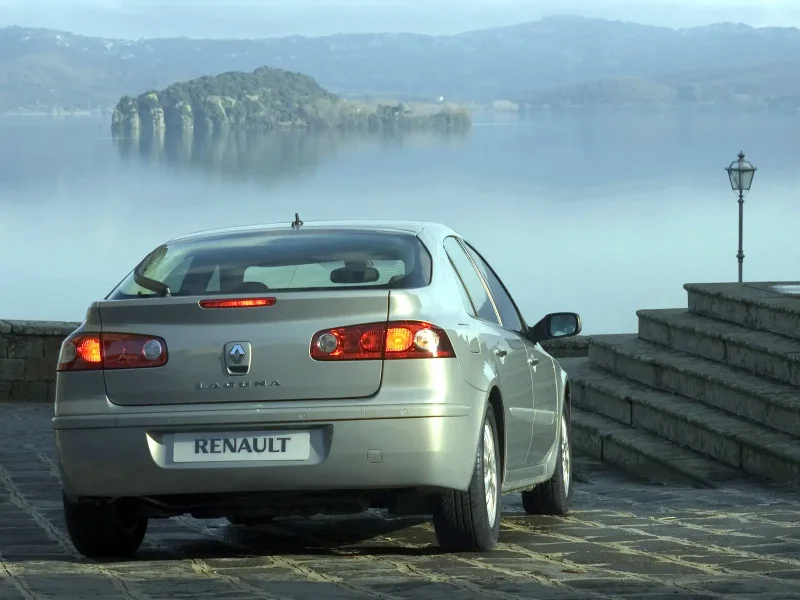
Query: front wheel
{"points": [[470, 521], [552, 497], [107, 530]]}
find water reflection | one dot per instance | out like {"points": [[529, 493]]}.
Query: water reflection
{"points": [[600, 214], [262, 156]]}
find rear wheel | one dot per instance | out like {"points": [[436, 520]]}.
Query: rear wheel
{"points": [[552, 497], [112, 530], [470, 521]]}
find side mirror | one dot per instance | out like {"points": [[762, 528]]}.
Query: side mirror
{"points": [[555, 325]]}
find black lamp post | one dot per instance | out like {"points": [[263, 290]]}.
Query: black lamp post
{"points": [[741, 174]]}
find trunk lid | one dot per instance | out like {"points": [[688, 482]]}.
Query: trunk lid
{"points": [[200, 341]]}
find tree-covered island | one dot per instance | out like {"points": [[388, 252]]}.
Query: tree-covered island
{"points": [[269, 99]]}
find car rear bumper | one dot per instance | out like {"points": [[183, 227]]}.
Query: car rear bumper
{"points": [[355, 447]]}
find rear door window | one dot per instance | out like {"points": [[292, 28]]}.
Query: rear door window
{"points": [[502, 299], [268, 261], [471, 280]]}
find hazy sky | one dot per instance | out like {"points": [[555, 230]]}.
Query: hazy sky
{"points": [[262, 18]]}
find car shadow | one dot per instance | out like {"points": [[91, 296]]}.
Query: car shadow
{"points": [[324, 537]]}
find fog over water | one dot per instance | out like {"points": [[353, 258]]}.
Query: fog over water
{"points": [[602, 213]]}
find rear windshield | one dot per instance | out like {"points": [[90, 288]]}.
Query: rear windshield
{"points": [[254, 262]]}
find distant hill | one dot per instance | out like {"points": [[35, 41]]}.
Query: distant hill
{"points": [[769, 86], [269, 99], [531, 63]]}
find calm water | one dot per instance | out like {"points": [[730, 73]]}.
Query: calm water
{"points": [[602, 214]]}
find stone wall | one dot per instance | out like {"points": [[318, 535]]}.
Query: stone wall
{"points": [[28, 356], [29, 352], [571, 347]]}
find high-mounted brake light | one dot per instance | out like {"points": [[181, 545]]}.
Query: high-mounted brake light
{"points": [[96, 351], [382, 341], [237, 302]]}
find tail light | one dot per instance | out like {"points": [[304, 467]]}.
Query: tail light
{"points": [[382, 341], [97, 351]]}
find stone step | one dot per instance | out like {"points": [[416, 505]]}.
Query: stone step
{"points": [[770, 403], [759, 352], [644, 454], [689, 423], [770, 306]]}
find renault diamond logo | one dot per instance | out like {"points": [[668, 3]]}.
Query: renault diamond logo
{"points": [[238, 357], [237, 354]]}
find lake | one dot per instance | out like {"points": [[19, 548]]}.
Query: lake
{"points": [[602, 213]]}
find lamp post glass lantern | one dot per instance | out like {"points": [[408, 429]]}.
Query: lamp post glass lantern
{"points": [[741, 173]]}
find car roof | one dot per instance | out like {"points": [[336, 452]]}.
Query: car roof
{"points": [[413, 227]]}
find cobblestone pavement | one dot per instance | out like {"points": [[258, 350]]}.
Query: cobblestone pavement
{"points": [[625, 539]]}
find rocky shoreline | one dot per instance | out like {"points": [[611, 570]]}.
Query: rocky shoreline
{"points": [[272, 99]]}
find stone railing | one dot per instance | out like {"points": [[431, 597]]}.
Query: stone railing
{"points": [[29, 352], [28, 356]]}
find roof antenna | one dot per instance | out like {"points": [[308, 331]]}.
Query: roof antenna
{"points": [[297, 223]]}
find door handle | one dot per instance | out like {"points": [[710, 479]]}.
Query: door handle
{"points": [[533, 361], [501, 352]]}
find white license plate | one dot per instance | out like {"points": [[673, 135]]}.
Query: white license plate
{"points": [[264, 446]]}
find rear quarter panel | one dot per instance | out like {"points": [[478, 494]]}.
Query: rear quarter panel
{"points": [[440, 304], [83, 392]]}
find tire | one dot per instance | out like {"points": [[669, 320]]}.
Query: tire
{"points": [[552, 497], [248, 521], [101, 531], [465, 521]]}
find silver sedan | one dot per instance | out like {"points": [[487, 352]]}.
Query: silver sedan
{"points": [[320, 368]]}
